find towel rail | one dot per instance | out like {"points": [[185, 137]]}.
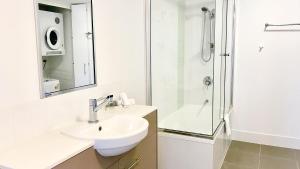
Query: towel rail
{"points": [[282, 25]]}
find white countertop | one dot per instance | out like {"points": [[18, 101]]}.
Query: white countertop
{"points": [[53, 148]]}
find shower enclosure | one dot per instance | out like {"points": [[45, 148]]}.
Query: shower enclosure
{"points": [[191, 68]]}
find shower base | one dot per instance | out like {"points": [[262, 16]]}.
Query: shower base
{"points": [[190, 118]]}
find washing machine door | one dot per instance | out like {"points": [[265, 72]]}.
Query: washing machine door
{"points": [[53, 39]]}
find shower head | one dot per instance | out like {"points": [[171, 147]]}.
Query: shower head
{"points": [[204, 9], [210, 12]]}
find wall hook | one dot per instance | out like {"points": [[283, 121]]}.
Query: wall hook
{"points": [[260, 48]]}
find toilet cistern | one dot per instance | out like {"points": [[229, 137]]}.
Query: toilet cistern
{"points": [[95, 105]]}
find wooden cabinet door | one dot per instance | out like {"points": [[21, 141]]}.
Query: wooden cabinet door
{"points": [[114, 166], [142, 157], [88, 159]]}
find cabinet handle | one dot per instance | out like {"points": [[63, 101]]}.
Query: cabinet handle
{"points": [[134, 164]]}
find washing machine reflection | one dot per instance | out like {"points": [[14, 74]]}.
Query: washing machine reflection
{"points": [[51, 33]]}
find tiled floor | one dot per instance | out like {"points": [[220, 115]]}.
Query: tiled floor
{"points": [[243, 155]]}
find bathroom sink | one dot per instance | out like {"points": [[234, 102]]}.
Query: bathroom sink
{"points": [[113, 136]]}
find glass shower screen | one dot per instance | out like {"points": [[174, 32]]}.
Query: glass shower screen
{"points": [[186, 43]]}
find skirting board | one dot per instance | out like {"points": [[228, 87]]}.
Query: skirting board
{"points": [[266, 139]]}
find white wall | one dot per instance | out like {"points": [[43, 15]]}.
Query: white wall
{"points": [[119, 27], [267, 86]]}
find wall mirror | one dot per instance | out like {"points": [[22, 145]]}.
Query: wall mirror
{"points": [[65, 45]]}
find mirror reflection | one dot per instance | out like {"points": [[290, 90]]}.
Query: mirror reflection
{"points": [[66, 47]]}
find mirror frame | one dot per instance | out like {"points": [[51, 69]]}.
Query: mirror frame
{"points": [[40, 60]]}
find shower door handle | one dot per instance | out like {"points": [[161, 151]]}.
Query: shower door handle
{"points": [[225, 54], [89, 35]]}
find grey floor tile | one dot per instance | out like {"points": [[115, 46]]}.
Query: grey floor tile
{"points": [[298, 158], [298, 155], [243, 155], [242, 158], [227, 165], [278, 152], [245, 147], [270, 162]]}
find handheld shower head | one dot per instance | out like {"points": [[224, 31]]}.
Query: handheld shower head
{"points": [[204, 9], [211, 12]]}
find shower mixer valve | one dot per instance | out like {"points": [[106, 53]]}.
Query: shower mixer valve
{"points": [[207, 81]]}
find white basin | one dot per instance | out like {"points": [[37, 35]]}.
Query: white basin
{"points": [[114, 136]]}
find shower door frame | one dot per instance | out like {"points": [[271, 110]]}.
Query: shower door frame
{"points": [[147, 36], [232, 55]]}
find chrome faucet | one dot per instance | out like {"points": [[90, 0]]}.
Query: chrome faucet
{"points": [[94, 107]]}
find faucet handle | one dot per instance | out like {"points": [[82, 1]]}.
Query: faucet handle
{"points": [[108, 97]]}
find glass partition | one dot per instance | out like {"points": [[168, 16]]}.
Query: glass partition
{"points": [[229, 61], [187, 48]]}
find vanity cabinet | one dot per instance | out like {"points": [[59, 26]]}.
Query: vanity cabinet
{"points": [[143, 156]]}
